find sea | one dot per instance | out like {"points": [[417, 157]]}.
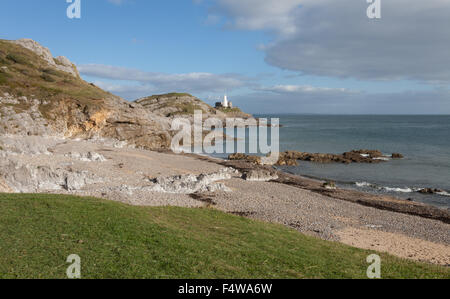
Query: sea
{"points": [[423, 140]]}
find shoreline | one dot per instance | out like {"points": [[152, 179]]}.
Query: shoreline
{"points": [[140, 177], [382, 202], [399, 227]]}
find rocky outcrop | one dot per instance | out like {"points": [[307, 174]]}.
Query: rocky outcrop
{"points": [[397, 156], [430, 191], [22, 178], [260, 175], [189, 184], [291, 158], [61, 63], [183, 105], [42, 96], [87, 157], [356, 156], [243, 157]]}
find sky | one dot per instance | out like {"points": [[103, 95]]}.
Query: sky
{"points": [[268, 56]]}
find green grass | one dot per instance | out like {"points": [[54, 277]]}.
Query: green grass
{"points": [[169, 95], [230, 110], [38, 233]]}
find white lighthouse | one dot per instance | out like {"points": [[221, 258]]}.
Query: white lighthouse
{"points": [[224, 104], [225, 101]]}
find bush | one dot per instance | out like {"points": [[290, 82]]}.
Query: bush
{"points": [[4, 78], [51, 71], [16, 58], [47, 77]]}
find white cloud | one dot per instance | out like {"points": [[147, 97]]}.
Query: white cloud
{"points": [[336, 102], [304, 89], [336, 39], [274, 15], [160, 82]]}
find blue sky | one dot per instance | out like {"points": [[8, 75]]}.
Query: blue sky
{"points": [[280, 56]]}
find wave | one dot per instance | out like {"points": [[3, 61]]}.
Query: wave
{"points": [[402, 190], [364, 184], [443, 193], [395, 189]]}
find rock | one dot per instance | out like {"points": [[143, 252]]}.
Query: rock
{"points": [[87, 157], [28, 145], [260, 175], [189, 184], [78, 111], [369, 153], [75, 181], [356, 156], [61, 63], [183, 105], [397, 156], [23, 178], [290, 158], [430, 191], [330, 185], [251, 159], [4, 188]]}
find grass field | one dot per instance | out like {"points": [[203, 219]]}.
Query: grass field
{"points": [[39, 232]]}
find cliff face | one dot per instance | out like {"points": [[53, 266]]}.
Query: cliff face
{"points": [[42, 95], [183, 105], [45, 96]]}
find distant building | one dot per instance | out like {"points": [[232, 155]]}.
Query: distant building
{"points": [[225, 103]]}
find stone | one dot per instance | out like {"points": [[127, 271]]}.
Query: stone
{"points": [[87, 157], [248, 158], [430, 191], [61, 63], [260, 175], [397, 156], [190, 184]]}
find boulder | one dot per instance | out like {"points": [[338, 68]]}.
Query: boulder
{"points": [[248, 158], [190, 184], [260, 175], [430, 191], [397, 156]]}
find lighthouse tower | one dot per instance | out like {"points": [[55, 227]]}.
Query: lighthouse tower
{"points": [[225, 101]]}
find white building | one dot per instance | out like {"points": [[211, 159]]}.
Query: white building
{"points": [[225, 103]]}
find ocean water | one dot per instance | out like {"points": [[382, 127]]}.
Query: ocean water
{"points": [[423, 140]]}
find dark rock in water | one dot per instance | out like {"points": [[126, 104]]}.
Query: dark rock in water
{"points": [[397, 156], [252, 159], [430, 191], [371, 153], [290, 158]]}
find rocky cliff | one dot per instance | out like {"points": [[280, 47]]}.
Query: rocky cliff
{"points": [[183, 105], [42, 95]]}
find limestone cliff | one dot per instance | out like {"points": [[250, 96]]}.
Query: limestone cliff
{"points": [[42, 95], [183, 105]]}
